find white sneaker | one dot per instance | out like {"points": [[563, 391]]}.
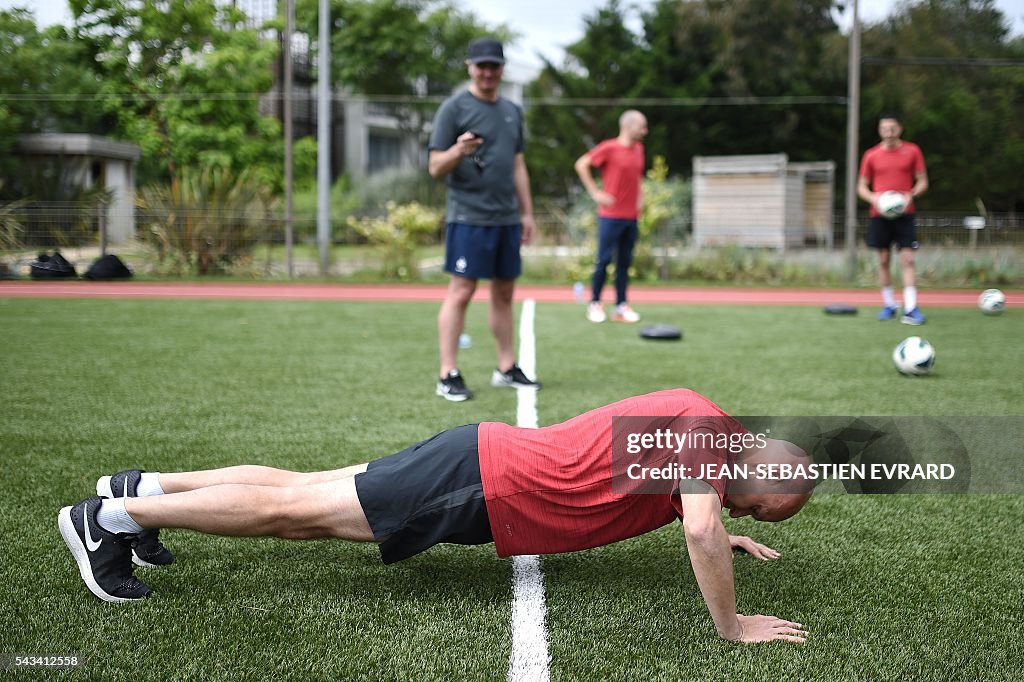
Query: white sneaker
{"points": [[623, 313], [595, 313]]}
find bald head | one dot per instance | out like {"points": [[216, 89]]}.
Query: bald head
{"points": [[770, 499], [632, 126]]}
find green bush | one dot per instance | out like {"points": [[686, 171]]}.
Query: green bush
{"points": [[663, 218], [344, 203], [11, 224], [206, 220], [398, 234], [664, 215], [399, 186]]}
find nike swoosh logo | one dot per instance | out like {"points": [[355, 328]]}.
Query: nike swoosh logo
{"points": [[91, 545]]}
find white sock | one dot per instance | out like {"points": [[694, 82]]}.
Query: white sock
{"points": [[909, 298], [114, 518], [887, 297], [149, 485]]}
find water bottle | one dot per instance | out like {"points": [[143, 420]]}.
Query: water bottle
{"points": [[577, 292]]}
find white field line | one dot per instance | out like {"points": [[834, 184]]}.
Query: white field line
{"points": [[529, 661], [526, 399]]}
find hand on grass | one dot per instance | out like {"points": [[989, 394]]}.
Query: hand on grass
{"points": [[769, 628], [754, 549]]}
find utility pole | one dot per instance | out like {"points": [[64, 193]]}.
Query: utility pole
{"points": [[852, 142], [323, 133], [289, 180]]}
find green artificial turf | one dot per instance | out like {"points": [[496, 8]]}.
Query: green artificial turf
{"points": [[893, 587]]}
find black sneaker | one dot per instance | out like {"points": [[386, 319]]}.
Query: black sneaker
{"points": [[104, 558], [147, 550], [514, 378], [452, 387]]}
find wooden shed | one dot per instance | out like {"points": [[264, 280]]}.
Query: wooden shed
{"points": [[762, 201]]}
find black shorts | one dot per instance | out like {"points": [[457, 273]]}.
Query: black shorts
{"points": [[882, 232], [426, 494]]}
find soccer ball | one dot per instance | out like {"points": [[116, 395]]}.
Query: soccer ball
{"points": [[892, 204], [992, 301], [914, 356]]}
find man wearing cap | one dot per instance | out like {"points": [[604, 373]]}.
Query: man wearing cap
{"points": [[477, 145]]}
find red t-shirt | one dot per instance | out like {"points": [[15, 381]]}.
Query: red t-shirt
{"points": [[892, 169], [622, 171], [549, 490]]}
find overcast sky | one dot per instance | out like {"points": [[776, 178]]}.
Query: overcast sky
{"points": [[547, 26]]}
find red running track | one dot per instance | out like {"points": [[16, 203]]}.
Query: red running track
{"points": [[415, 292]]}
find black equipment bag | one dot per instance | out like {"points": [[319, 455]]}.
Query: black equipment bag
{"points": [[51, 267], [108, 267]]}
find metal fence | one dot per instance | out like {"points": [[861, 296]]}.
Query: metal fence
{"points": [[208, 241]]}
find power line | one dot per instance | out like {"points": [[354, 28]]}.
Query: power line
{"points": [[942, 61], [219, 96], [69, 97], [437, 99], [686, 101]]}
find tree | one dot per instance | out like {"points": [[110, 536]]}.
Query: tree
{"points": [[182, 79], [398, 47], [399, 50], [695, 50], [966, 118], [604, 64], [48, 83], [753, 48]]}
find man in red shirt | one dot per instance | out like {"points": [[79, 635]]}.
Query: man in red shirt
{"points": [[561, 488], [621, 162], [894, 165]]}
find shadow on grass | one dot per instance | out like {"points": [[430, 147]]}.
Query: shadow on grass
{"points": [[326, 570]]}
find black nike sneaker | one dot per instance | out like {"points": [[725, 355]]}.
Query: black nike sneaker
{"points": [[513, 378], [147, 550], [453, 387], [104, 558]]}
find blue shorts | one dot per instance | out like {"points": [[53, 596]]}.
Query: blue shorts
{"points": [[483, 251]]}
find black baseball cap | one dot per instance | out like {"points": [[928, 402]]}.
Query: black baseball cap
{"points": [[486, 51]]}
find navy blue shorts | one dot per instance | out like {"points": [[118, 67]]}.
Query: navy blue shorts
{"points": [[426, 494], [483, 251], [902, 231]]}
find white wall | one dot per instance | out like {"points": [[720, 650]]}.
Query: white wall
{"points": [[121, 212]]}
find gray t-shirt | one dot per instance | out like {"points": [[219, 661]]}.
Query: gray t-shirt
{"points": [[481, 189]]}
